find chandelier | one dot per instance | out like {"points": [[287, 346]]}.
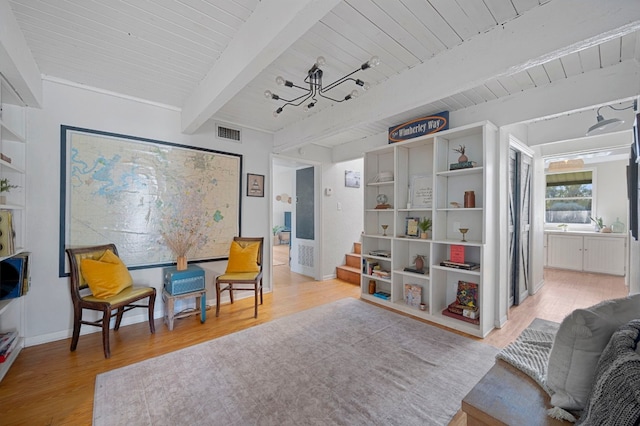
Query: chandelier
{"points": [[314, 80]]}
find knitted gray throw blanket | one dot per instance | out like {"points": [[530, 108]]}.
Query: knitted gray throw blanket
{"points": [[615, 396], [529, 353]]}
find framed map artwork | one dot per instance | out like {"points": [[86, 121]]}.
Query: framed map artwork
{"points": [[130, 191]]}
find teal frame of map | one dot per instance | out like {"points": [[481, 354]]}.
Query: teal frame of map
{"points": [[130, 191]]}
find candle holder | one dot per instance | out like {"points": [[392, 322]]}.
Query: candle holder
{"points": [[463, 231], [384, 230]]}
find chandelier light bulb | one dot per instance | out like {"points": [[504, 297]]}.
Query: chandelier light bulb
{"points": [[268, 94], [280, 80], [366, 86], [354, 93], [275, 114], [374, 61], [320, 61]]}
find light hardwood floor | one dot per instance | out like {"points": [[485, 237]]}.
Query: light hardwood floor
{"points": [[49, 385]]}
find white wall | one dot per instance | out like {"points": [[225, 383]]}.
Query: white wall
{"points": [[342, 217], [611, 192], [48, 310], [283, 178]]}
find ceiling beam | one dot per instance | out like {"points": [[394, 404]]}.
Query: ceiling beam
{"points": [[544, 33], [270, 30], [551, 105], [16, 62]]}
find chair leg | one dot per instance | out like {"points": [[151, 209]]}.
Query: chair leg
{"points": [[152, 304], [261, 291], [217, 298], [106, 319], [231, 292], [77, 318], [119, 315], [255, 300]]}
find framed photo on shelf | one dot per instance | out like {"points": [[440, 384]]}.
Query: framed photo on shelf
{"points": [[421, 191], [411, 228], [255, 185]]}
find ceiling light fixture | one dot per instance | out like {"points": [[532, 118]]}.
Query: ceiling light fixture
{"points": [[314, 80], [603, 125]]}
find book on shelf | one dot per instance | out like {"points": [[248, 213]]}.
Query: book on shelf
{"points": [[6, 338], [5, 158], [417, 271], [368, 266], [380, 273], [8, 346], [413, 295], [465, 311], [7, 235], [382, 295], [469, 266], [380, 253], [456, 253], [450, 314], [461, 165], [467, 294]]}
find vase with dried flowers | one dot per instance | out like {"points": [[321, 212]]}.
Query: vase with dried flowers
{"points": [[183, 229], [460, 150]]}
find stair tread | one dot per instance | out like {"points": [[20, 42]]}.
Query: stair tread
{"points": [[349, 268]]}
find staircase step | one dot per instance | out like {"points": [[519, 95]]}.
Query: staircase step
{"points": [[348, 274], [354, 260], [357, 248]]}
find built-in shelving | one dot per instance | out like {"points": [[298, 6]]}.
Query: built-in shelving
{"points": [[425, 162], [13, 142]]}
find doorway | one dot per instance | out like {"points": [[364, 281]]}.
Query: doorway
{"points": [[295, 216], [520, 175]]}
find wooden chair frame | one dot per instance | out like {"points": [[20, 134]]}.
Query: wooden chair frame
{"points": [[107, 305], [232, 284]]}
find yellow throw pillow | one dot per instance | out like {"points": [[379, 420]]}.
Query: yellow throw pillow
{"points": [[106, 276], [243, 259]]}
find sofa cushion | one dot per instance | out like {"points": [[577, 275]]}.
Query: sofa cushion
{"points": [[580, 340]]}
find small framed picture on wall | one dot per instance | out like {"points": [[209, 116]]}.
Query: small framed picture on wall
{"points": [[255, 185]]}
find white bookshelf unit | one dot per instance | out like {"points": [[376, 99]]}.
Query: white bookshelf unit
{"points": [[423, 165], [13, 145]]}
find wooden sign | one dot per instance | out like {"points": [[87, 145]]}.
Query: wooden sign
{"points": [[419, 127]]}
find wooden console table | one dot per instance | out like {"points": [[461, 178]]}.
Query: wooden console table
{"points": [[169, 303]]}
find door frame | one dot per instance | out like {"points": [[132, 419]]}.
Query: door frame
{"points": [[317, 167]]}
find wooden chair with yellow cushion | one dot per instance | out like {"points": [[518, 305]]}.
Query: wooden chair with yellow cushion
{"points": [[100, 281], [244, 270]]}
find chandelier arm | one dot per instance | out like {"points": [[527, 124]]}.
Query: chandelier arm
{"points": [[339, 81], [309, 95], [289, 101], [330, 98], [299, 87]]}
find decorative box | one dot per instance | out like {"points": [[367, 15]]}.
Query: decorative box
{"points": [[180, 282]]}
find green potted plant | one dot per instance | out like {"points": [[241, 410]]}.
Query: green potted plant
{"points": [[424, 225], [5, 186], [598, 222]]}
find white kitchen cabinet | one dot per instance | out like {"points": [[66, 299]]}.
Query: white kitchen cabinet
{"points": [[587, 252], [564, 252], [605, 255]]}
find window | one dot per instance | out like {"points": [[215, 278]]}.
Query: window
{"points": [[569, 198]]}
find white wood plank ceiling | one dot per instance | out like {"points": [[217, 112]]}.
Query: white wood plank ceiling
{"points": [[163, 51]]}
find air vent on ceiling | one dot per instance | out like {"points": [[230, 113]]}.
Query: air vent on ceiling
{"points": [[228, 133]]}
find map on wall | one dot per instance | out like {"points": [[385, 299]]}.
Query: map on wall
{"points": [[129, 191]]}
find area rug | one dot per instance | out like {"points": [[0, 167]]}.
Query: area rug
{"points": [[344, 363]]}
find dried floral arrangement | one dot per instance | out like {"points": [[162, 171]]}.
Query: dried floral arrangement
{"points": [[185, 223]]}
